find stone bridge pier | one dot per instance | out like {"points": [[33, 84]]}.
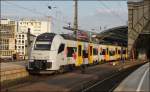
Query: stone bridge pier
{"points": [[139, 29]]}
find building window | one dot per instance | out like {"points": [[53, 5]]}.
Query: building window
{"points": [[22, 41], [22, 47], [36, 30], [19, 41], [19, 36], [23, 36], [15, 41]]}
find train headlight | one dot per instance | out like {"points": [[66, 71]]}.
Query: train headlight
{"points": [[46, 57], [31, 60]]}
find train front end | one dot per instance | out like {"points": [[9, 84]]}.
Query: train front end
{"points": [[41, 56]]}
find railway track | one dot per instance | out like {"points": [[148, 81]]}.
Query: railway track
{"points": [[29, 80], [110, 83], [71, 79]]}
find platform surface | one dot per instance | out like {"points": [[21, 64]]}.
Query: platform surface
{"points": [[12, 65], [139, 80]]}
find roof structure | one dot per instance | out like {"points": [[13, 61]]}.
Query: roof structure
{"points": [[135, 0], [115, 36]]}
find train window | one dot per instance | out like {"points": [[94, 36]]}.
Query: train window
{"points": [[100, 53], [61, 48], [124, 51], [85, 54], [79, 50], [111, 53], [42, 45], [116, 50], [119, 52], [90, 50], [46, 37], [70, 51], [95, 51], [103, 51], [107, 51]]}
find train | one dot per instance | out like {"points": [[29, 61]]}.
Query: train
{"points": [[52, 52]]}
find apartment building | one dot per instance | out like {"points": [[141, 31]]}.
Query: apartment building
{"points": [[7, 38], [36, 28]]}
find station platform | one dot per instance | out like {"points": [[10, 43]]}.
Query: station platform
{"points": [[12, 70], [12, 65], [137, 81]]}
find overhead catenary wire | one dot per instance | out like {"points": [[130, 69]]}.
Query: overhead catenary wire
{"points": [[112, 12], [35, 12]]}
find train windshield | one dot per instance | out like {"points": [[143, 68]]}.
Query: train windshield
{"points": [[43, 41], [42, 45]]}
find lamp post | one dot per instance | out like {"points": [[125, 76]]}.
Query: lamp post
{"points": [[48, 25], [57, 16], [28, 42]]}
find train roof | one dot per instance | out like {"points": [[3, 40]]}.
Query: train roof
{"points": [[68, 36], [73, 37], [46, 37]]}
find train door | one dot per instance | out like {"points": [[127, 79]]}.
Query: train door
{"points": [[111, 53], [103, 52], [85, 53], [119, 53], [126, 53], [100, 54], [90, 55], [107, 54], [95, 54], [123, 52], [116, 53], [79, 54]]}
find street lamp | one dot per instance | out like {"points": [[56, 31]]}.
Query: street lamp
{"points": [[49, 7]]}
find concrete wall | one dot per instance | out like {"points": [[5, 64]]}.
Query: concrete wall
{"points": [[13, 74], [7, 38], [13, 71]]}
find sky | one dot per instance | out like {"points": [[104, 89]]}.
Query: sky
{"points": [[92, 15]]}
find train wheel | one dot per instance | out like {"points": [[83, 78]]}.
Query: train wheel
{"points": [[71, 67], [61, 70], [97, 62], [57, 72]]}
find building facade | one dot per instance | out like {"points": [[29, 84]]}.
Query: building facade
{"points": [[7, 38], [36, 28]]}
